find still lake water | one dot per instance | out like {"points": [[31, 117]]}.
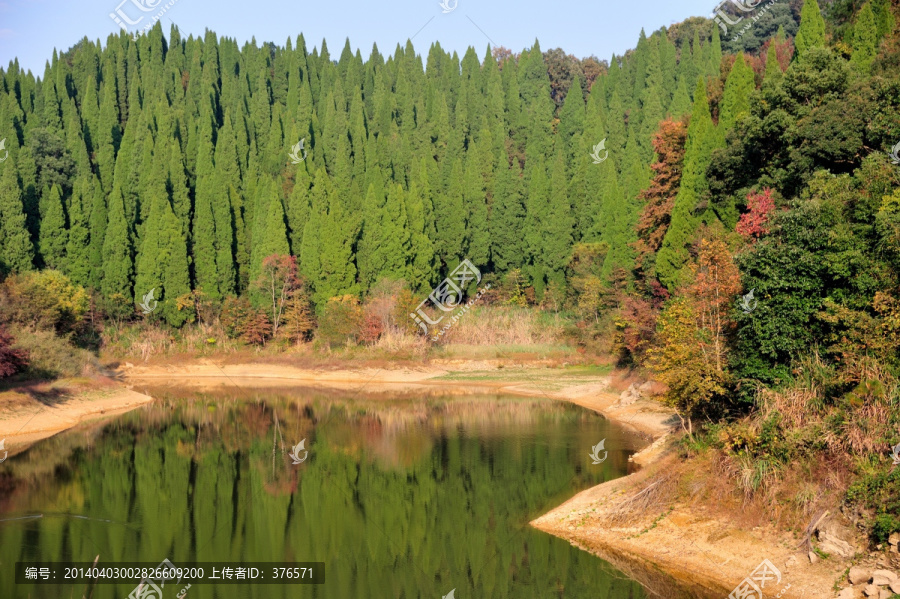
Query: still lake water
{"points": [[400, 498]]}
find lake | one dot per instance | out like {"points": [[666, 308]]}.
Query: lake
{"points": [[412, 497]]}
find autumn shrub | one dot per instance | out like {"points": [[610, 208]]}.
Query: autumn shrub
{"points": [[340, 321], [12, 359], [235, 311], [299, 322], [755, 222], [241, 320], [43, 300], [380, 313]]}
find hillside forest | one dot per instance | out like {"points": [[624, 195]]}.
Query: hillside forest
{"points": [[720, 210]]}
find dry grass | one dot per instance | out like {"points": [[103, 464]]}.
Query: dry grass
{"points": [[651, 499], [499, 325]]}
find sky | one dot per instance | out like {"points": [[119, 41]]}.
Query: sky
{"points": [[31, 29]]}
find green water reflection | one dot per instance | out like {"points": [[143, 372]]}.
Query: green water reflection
{"points": [[400, 498]]}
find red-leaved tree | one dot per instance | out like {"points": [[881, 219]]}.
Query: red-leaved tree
{"points": [[754, 223]]}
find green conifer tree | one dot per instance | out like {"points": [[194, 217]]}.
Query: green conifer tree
{"points": [[736, 98], [77, 264], [865, 39], [17, 250], [812, 29], [773, 68], [118, 265], [557, 227], [53, 234], [507, 217]]}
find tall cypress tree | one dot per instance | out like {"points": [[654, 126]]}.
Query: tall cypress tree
{"points": [[812, 29], [865, 39], [17, 250], [507, 217], [736, 98], [773, 68], [77, 264], [557, 227], [118, 266], [53, 233]]}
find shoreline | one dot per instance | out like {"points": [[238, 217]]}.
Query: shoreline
{"points": [[63, 409], [702, 554], [646, 417]]}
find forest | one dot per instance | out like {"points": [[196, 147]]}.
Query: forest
{"points": [[721, 211]]}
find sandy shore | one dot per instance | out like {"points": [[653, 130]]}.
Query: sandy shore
{"points": [[29, 417]]}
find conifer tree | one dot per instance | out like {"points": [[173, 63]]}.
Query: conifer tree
{"points": [[865, 39], [478, 165], [337, 275], [507, 217], [99, 216], [272, 238], [812, 29], [557, 227], [536, 214], [773, 68], [17, 250], [77, 263], [681, 100], [53, 234], [450, 215], [736, 98], [107, 136], [118, 266], [571, 120], [423, 265]]}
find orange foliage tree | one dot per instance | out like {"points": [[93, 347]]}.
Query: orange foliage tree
{"points": [[689, 355], [659, 197]]}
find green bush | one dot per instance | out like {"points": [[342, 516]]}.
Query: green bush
{"points": [[884, 526]]}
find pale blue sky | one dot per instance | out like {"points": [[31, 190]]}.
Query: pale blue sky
{"points": [[31, 29]]}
